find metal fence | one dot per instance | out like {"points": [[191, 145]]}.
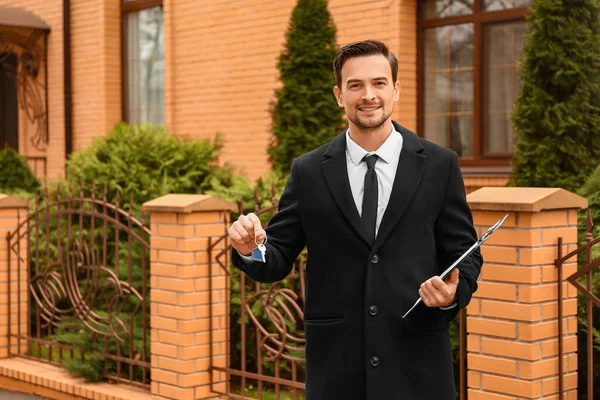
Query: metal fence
{"points": [[85, 291], [588, 267]]}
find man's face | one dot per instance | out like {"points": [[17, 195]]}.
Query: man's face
{"points": [[367, 92]]}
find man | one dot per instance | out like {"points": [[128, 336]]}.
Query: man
{"points": [[378, 231]]}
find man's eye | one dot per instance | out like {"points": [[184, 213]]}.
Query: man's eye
{"points": [[354, 86], [380, 83]]}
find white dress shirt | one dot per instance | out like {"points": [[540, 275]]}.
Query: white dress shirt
{"points": [[385, 167]]}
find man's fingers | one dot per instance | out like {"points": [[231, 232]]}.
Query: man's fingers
{"points": [[242, 230], [238, 242], [453, 278], [247, 225], [437, 283], [424, 297], [257, 228], [436, 291]]}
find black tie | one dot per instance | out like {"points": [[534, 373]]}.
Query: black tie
{"points": [[369, 205]]}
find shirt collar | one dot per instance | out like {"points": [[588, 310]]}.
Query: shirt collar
{"points": [[386, 151]]}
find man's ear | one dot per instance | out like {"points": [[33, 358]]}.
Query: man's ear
{"points": [[338, 96], [397, 90]]}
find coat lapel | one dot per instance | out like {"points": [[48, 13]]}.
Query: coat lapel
{"points": [[408, 175], [336, 174]]}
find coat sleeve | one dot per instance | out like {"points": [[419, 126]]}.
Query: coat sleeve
{"points": [[285, 238], [455, 234]]}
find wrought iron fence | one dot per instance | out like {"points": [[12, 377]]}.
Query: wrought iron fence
{"points": [[85, 291], [266, 352], [587, 295]]}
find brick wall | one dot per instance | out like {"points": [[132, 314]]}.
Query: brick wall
{"points": [[51, 12], [512, 321], [220, 67], [96, 75], [13, 277], [220, 63], [96, 60], [182, 276]]}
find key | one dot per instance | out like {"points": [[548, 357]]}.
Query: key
{"points": [[258, 254]]}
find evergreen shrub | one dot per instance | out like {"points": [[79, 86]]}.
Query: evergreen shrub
{"points": [[305, 114]]}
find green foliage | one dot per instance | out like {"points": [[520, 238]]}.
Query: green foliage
{"points": [[557, 114], [16, 177], [91, 348], [145, 162], [305, 114], [591, 191]]}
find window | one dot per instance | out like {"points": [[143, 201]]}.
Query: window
{"points": [[468, 52], [143, 62]]}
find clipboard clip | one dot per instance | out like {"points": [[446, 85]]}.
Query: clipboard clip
{"points": [[467, 253]]}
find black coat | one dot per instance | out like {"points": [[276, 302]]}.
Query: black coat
{"points": [[356, 293]]}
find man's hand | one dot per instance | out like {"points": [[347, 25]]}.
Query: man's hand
{"points": [[243, 231], [438, 293]]}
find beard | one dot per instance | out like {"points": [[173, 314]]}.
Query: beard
{"points": [[369, 125]]}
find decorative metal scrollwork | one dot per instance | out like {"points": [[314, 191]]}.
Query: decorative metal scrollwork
{"points": [[30, 47], [83, 283], [282, 309]]}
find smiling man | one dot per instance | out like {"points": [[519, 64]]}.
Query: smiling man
{"points": [[382, 213]]}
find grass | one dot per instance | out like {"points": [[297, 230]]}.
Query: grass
{"points": [[268, 393]]}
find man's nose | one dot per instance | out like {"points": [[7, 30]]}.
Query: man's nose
{"points": [[369, 93]]}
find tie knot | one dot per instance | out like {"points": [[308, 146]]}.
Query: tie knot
{"points": [[370, 160]]}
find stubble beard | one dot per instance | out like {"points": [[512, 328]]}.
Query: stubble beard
{"points": [[369, 126]]}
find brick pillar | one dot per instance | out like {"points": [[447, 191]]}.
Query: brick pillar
{"points": [[12, 211], [512, 320], [180, 298]]}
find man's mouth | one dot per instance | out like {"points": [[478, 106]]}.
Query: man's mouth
{"points": [[368, 108]]}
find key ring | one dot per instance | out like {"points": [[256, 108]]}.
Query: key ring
{"points": [[263, 243]]}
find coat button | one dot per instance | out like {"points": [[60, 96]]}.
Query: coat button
{"points": [[375, 259], [373, 310], [374, 361]]}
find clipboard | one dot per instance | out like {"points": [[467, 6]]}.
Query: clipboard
{"points": [[467, 253]]}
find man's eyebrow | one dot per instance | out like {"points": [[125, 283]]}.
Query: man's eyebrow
{"points": [[349, 81], [379, 78]]}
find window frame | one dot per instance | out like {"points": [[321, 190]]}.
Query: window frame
{"points": [[126, 8], [479, 19]]}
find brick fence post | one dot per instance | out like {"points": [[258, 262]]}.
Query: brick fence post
{"points": [[13, 211], [180, 298], [512, 321]]}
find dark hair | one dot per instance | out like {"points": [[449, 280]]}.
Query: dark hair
{"points": [[362, 49]]}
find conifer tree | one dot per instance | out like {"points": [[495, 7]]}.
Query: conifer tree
{"points": [[557, 114], [305, 114]]}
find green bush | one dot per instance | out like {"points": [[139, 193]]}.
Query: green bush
{"points": [[557, 114], [305, 114], [16, 176], [146, 162]]}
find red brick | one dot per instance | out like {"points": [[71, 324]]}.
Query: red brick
{"points": [[496, 291], [490, 327], [542, 219], [511, 386], [500, 255], [513, 349], [510, 274], [496, 365], [510, 311]]}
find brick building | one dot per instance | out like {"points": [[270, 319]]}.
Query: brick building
{"points": [[210, 66]]}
